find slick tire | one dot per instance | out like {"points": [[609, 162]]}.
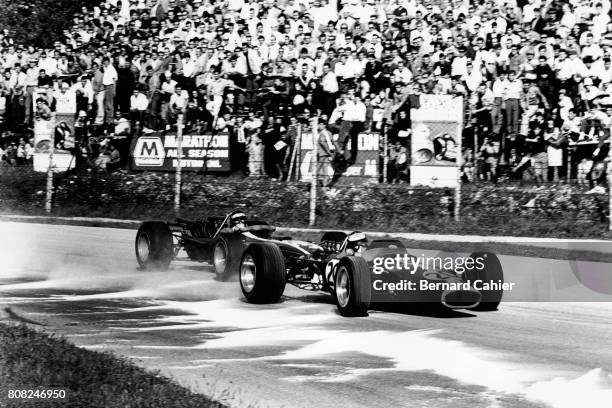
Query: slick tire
{"points": [[154, 246], [262, 273], [492, 272], [353, 287], [220, 259]]}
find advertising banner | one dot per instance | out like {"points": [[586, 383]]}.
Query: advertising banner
{"points": [[364, 170], [436, 129], [65, 111], [44, 138], [58, 133], [206, 153]]}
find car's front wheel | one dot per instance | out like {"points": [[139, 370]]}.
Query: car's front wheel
{"points": [[352, 286], [154, 246], [262, 273]]}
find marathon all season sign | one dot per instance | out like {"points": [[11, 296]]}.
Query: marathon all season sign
{"points": [[436, 129], [364, 170], [206, 153]]}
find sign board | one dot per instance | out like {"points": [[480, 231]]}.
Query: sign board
{"points": [[65, 102], [364, 170], [62, 161], [436, 133], [44, 138], [434, 176], [207, 153]]}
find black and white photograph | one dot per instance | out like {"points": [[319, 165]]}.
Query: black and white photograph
{"points": [[305, 203]]}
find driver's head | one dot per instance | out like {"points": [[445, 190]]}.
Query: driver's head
{"points": [[356, 241], [238, 219]]}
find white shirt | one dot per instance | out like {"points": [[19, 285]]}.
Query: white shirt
{"points": [[473, 79], [344, 70], [403, 75], [514, 89], [86, 90], [49, 64], [329, 83], [110, 76], [179, 101], [139, 102], [499, 88], [189, 67], [353, 111]]}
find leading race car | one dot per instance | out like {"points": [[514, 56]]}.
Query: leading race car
{"points": [[341, 264]]}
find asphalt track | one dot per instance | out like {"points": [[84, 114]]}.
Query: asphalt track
{"points": [[82, 282]]}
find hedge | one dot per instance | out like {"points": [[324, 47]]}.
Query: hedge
{"points": [[552, 211]]}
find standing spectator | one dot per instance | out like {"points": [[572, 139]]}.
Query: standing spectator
{"points": [[99, 92], [554, 143], [489, 156], [31, 82], [500, 87], [329, 86], [353, 119], [84, 94], [109, 82], [239, 142], [325, 151], [216, 92], [512, 100], [535, 146], [256, 168]]}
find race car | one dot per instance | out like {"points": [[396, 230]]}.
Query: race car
{"points": [[341, 264]]}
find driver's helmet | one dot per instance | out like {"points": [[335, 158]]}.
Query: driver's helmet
{"points": [[356, 241], [237, 219]]}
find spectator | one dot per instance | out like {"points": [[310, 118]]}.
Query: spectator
{"points": [[138, 107], [293, 58], [255, 154], [554, 141], [109, 82], [114, 161]]}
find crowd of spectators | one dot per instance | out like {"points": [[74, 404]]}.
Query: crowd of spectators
{"points": [[535, 76]]}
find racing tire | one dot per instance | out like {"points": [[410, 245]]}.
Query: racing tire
{"points": [[352, 287], [154, 246], [262, 273], [492, 272], [220, 259]]}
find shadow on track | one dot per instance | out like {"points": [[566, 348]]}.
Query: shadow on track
{"points": [[422, 309]]}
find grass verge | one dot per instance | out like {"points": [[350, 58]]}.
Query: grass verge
{"points": [[31, 359]]}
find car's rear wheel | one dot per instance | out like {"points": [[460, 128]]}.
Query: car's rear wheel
{"points": [[492, 272], [262, 273], [154, 246], [220, 259], [352, 287]]}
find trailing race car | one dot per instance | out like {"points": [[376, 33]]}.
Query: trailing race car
{"points": [[341, 264]]}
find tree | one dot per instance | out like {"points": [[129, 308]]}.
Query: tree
{"points": [[39, 22]]}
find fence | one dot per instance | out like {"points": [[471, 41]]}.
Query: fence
{"points": [[484, 208]]}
